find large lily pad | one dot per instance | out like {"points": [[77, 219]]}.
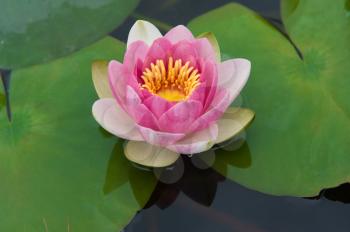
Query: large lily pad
{"points": [[299, 142], [38, 31], [59, 170]]}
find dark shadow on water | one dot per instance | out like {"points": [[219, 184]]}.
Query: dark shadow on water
{"points": [[197, 184], [340, 193], [203, 200], [197, 180]]}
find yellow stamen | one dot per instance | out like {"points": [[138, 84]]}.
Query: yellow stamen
{"points": [[176, 83]]}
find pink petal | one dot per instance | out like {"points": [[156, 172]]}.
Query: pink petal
{"points": [[113, 119], [160, 49], [158, 105], [179, 33], [198, 94], [159, 138], [208, 84], [205, 49], [216, 109], [185, 51], [144, 31], [138, 111], [196, 142], [118, 76], [209, 77], [233, 75], [179, 118], [136, 52]]}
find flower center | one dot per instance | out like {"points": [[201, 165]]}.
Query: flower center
{"points": [[174, 83]]}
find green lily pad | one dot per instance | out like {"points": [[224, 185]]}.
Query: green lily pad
{"points": [[299, 141], [59, 170], [38, 31]]}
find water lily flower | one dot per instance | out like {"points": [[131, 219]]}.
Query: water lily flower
{"points": [[171, 95]]}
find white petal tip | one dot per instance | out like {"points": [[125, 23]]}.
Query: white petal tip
{"points": [[100, 79], [100, 107], [233, 122], [114, 120], [243, 63], [144, 31]]}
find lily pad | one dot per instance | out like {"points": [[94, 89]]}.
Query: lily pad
{"points": [[299, 141], [59, 170], [38, 31]]}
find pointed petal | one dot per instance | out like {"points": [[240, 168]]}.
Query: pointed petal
{"points": [[159, 50], [158, 105], [135, 53], [209, 78], [120, 79], [179, 33], [179, 118], [148, 155], [185, 51], [113, 119], [117, 76], [144, 31], [100, 79], [216, 109], [138, 111], [233, 122], [214, 43], [233, 75], [196, 142]]}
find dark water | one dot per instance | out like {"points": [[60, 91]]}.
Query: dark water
{"points": [[203, 200]]}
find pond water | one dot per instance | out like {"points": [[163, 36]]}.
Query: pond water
{"points": [[203, 200]]}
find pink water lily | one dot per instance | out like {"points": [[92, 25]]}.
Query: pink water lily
{"points": [[171, 95]]}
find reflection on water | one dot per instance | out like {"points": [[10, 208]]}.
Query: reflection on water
{"points": [[203, 200], [198, 184]]}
